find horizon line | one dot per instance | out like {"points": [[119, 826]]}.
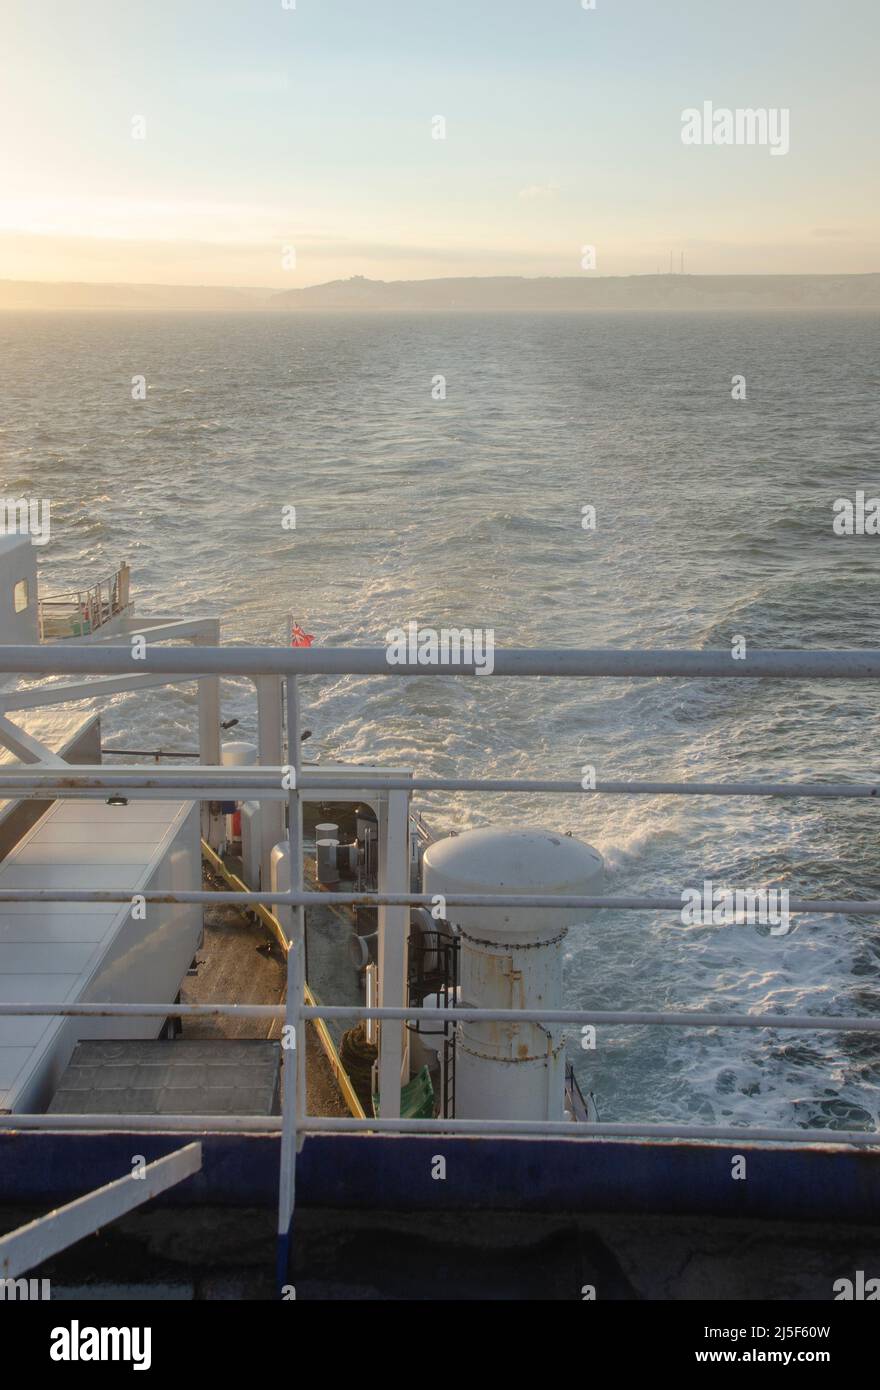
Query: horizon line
{"points": [[435, 279]]}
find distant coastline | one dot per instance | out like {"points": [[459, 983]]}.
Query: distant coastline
{"points": [[545, 294]]}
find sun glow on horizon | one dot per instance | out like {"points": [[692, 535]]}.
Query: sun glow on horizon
{"points": [[204, 144]]}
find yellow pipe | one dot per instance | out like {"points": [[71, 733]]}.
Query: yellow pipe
{"points": [[269, 920]]}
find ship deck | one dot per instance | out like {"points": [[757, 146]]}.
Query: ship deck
{"points": [[241, 962]]}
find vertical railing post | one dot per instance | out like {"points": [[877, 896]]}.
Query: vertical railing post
{"points": [[209, 732], [394, 877], [293, 1038], [270, 741], [296, 926], [289, 1108]]}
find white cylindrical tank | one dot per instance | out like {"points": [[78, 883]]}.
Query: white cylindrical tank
{"points": [[326, 841], [238, 753], [326, 869], [511, 958]]}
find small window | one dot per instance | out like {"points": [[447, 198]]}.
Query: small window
{"points": [[20, 596]]}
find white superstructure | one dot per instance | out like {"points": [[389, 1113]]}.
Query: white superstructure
{"points": [[92, 953], [77, 953]]}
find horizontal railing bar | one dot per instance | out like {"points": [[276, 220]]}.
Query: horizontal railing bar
{"points": [[148, 752], [108, 1010], [155, 1124], [570, 787], [822, 1023], [92, 794], [239, 780], [512, 661], [321, 1124], [618, 902], [608, 1018], [216, 792], [102, 775], [37, 696], [327, 1124]]}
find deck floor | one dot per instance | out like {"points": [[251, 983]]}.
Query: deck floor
{"points": [[239, 962]]}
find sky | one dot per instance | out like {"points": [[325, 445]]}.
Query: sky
{"points": [[286, 145]]}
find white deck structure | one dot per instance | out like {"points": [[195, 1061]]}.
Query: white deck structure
{"points": [[75, 953], [80, 952]]}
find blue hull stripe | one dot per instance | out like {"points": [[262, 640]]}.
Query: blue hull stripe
{"points": [[394, 1173]]}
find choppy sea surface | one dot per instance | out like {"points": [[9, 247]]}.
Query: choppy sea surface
{"points": [[713, 519]]}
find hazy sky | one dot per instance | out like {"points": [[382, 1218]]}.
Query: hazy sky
{"points": [[268, 128]]}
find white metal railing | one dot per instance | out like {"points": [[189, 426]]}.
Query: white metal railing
{"points": [[80, 612], [508, 661], [34, 781], [215, 782]]}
